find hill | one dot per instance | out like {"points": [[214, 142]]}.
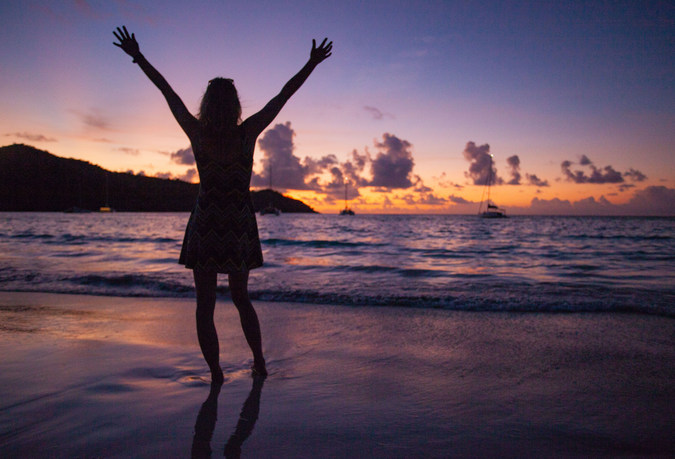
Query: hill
{"points": [[36, 180]]}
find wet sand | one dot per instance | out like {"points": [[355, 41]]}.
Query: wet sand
{"points": [[88, 376]]}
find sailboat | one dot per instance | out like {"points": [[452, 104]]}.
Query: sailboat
{"points": [[270, 209], [346, 210], [490, 210]]}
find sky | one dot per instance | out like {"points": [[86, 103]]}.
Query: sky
{"points": [[574, 100]]}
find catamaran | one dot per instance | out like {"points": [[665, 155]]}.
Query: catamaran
{"points": [[487, 208], [270, 209], [346, 210]]}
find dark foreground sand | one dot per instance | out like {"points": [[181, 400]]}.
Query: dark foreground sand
{"points": [[85, 376]]}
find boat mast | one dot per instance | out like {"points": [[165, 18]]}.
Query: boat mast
{"points": [[489, 181]]}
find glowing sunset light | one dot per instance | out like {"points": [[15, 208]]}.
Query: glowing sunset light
{"points": [[574, 102]]}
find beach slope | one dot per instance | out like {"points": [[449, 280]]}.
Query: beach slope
{"points": [[87, 376]]}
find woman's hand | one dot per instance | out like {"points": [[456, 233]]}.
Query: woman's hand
{"points": [[321, 53], [127, 42]]}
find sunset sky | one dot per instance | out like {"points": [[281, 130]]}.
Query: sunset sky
{"points": [[575, 99]]}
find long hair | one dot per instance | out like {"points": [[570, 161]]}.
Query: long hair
{"points": [[220, 110]]}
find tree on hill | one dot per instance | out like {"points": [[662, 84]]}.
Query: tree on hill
{"points": [[36, 180]]}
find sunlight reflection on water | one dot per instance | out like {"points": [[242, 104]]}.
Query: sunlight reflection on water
{"points": [[366, 256]]}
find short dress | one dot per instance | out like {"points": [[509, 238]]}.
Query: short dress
{"points": [[222, 233]]}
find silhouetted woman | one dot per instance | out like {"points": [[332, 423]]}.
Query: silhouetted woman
{"points": [[222, 233]]}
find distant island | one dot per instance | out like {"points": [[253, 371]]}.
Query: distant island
{"points": [[38, 181]]}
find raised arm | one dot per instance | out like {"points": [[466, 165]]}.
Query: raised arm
{"points": [[255, 124], [130, 46]]}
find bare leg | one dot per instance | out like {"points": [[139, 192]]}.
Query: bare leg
{"points": [[249, 318], [205, 285]]}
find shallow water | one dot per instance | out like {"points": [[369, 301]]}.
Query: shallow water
{"points": [[87, 376], [440, 261]]}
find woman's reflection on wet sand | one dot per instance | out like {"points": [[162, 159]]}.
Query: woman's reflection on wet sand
{"points": [[206, 421]]}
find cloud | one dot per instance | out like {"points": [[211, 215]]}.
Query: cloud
{"points": [[376, 113], [653, 200], [425, 198], [389, 167], [556, 206], [92, 119], [279, 164], [536, 181], [481, 167], [31, 137], [597, 175], [393, 165], [422, 195], [459, 200], [650, 201], [129, 151], [184, 156], [189, 176], [635, 175], [514, 164]]}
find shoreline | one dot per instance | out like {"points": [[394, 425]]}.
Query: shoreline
{"points": [[407, 303], [123, 376]]}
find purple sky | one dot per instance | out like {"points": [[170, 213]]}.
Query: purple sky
{"points": [[393, 111]]}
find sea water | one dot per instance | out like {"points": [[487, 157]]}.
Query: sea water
{"points": [[573, 264]]}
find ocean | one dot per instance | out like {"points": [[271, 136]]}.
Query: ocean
{"points": [[523, 263]]}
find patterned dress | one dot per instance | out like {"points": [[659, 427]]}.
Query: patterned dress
{"points": [[222, 233]]}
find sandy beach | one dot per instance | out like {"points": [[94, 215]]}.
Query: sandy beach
{"points": [[88, 376]]}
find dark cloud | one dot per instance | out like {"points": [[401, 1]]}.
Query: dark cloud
{"points": [[315, 166], [189, 176], [31, 137], [606, 174], [445, 183], [184, 156], [587, 206], [481, 166], [93, 120], [536, 181], [393, 165], [651, 201], [376, 113], [514, 164], [280, 166], [458, 200], [389, 167], [422, 195], [426, 199], [420, 187], [635, 175]]}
